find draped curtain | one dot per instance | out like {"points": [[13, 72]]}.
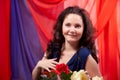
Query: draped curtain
{"points": [[5, 40], [26, 27]]}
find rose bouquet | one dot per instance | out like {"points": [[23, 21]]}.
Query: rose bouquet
{"points": [[62, 72]]}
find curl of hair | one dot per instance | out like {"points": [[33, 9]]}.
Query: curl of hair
{"points": [[86, 40]]}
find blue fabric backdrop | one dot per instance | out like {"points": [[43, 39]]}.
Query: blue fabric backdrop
{"points": [[25, 45]]}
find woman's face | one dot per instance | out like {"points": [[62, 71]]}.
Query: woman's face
{"points": [[72, 28]]}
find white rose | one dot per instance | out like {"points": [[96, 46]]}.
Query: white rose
{"points": [[80, 75]]}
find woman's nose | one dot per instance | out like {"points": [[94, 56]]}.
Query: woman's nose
{"points": [[72, 29]]}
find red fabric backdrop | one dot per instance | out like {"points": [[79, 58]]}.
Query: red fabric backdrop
{"points": [[5, 40], [108, 38]]}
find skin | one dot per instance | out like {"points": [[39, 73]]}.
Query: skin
{"points": [[72, 29]]}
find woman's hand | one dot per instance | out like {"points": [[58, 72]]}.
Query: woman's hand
{"points": [[47, 64]]}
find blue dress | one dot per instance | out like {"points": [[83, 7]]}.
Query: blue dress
{"points": [[78, 60]]}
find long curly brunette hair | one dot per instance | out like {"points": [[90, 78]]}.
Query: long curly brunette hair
{"points": [[86, 40]]}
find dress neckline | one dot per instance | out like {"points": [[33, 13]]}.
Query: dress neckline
{"points": [[73, 56]]}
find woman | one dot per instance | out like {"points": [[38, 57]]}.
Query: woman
{"points": [[73, 44]]}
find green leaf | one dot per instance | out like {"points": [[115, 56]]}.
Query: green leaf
{"points": [[65, 76], [53, 74]]}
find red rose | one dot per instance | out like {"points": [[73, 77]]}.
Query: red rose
{"points": [[61, 68]]}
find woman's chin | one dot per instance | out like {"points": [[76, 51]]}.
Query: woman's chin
{"points": [[73, 41]]}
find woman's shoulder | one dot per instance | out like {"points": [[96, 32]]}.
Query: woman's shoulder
{"points": [[83, 51]]}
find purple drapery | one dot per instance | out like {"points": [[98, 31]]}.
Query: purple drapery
{"points": [[25, 45]]}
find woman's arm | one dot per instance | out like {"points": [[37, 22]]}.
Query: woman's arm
{"points": [[37, 70], [92, 67]]}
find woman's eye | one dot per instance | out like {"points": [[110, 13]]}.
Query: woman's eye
{"points": [[77, 26], [68, 24]]}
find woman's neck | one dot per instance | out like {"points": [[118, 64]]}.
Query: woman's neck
{"points": [[71, 46]]}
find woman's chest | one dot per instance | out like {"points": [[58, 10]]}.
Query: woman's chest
{"points": [[65, 58]]}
